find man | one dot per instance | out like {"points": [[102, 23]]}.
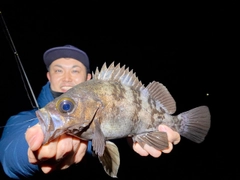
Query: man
{"points": [[22, 153]]}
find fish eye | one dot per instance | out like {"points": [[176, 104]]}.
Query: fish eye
{"points": [[65, 105]]}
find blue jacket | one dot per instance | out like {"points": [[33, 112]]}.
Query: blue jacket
{"points": [[13, 146]]}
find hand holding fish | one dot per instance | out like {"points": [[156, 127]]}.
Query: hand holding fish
{"points": [[66, 149], [173, 138], [60, 153]]}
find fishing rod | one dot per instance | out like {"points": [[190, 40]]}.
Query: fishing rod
{"points": [[20, 66]]}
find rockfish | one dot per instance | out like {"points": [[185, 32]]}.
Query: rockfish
{"points": [[115, 104]]}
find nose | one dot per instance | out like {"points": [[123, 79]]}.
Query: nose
{"points": [[67, 77]]}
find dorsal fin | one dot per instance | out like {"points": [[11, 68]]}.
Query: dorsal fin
{"points": [[119, 74], [160, 93], [155, 90]]}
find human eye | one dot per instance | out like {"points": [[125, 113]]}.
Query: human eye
{"points": [[75, 71], [58, 70]]}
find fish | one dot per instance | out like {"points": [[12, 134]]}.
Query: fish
{"points": [[115, 104]]}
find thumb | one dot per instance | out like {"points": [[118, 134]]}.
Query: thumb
{"points": [[34, 137]]}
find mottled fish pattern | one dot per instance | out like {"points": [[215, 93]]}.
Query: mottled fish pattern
{"points": [[115, 104]]}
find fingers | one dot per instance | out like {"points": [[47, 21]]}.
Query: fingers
{"points": [[138, 149], [56, 154], [64, 146], [46, 167], [80, 147], [169, 149], [46, 156], [173, 136], [31, 157], [79, 150], [152, 151], [60, 153], [147, 150], [34, 137]]}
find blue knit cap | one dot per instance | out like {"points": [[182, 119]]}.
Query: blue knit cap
{"points": [[67, 51]]}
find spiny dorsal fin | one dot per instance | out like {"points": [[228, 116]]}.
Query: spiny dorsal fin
{"points": [[119, 74], [160, 93]]}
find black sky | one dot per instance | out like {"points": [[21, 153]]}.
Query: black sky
{"points": [[188, 47]]}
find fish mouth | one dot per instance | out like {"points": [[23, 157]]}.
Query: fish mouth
{"points": [[44, 122], [50, 124], [43, 119]]}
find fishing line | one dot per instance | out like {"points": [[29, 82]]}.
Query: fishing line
{"points": [[19, 65], [15, 124]]}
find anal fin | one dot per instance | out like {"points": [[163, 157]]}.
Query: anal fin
{"points": [[110, 159], [156, 139]]}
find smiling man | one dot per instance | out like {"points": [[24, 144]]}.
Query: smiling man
{"points": [[23, 154]]}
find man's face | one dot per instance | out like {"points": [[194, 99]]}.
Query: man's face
{"points": [[64, 73]]}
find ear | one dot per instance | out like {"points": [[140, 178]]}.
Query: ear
{"points": [[89, 76], [48, 76]]}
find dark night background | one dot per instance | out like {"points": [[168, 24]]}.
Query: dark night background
{"points": [[190, 48]]}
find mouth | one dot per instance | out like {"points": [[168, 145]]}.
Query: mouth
{"points": [[42, 117], [44, 122], [65, 88], [51, 124]]}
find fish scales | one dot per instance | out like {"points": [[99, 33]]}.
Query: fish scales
{"points": [[115, 99], [115, 104]]}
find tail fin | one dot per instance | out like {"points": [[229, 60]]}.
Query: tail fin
{"points": [[195, 123]]}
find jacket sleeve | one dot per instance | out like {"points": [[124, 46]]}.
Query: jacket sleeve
{"points": [[13, 155]]}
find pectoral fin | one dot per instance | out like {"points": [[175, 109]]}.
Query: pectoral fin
{"points": [[156, 139], [98, 140], [110, 159]]}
